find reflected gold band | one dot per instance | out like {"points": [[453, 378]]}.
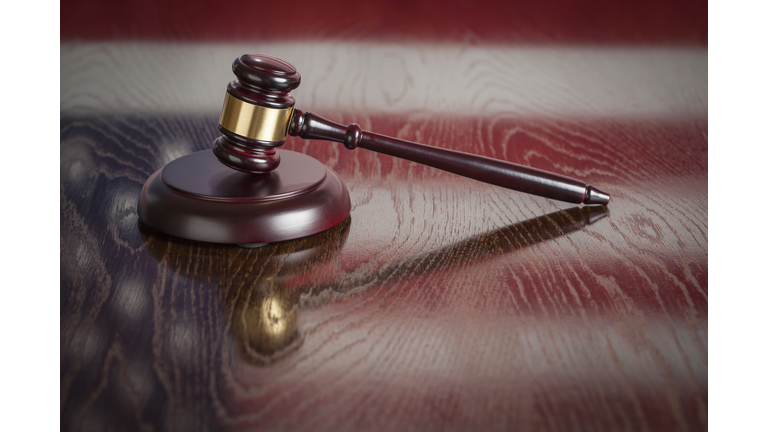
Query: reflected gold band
{"points": [[253, 121]]}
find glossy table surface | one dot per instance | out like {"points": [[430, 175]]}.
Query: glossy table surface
{"points": [[441, 303]]}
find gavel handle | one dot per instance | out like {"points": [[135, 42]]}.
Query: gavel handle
{"points": [[500, 173]]}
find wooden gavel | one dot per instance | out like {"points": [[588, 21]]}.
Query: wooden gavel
{"points": [[259, 113]]}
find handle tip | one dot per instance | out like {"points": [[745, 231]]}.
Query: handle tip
{"points": [[595, 196]]}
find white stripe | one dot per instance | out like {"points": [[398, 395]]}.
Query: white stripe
{"points": [[381, 78]]}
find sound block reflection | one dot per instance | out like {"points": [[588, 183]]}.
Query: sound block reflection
{"points": [[196, 197], [264, 306]]}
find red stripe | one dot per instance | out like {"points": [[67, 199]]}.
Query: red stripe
{"points": [[542, 21]]}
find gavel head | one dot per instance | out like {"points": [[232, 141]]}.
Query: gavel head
{"points": [[257, 112]]}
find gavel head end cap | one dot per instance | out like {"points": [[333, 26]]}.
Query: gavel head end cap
{"points": [[266, 72]]}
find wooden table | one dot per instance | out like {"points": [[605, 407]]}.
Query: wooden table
{"points": [[441, 303]]}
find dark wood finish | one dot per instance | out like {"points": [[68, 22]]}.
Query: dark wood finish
{"points": [[265, 81], [198, 198], [262, 78], [487, 170]]}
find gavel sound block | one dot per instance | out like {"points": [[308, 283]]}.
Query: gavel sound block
{"points": [[245, 192]]}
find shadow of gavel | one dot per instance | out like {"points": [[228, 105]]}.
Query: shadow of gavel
{"points": [[294, 275], [258, 114]]}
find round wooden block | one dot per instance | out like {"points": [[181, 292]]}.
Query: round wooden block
{"points": [[197, 197]]}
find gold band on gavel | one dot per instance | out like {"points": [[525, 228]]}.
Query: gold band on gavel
{"points": [[253, 121]]}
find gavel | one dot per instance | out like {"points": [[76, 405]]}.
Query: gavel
{"points": [[258, 114]]}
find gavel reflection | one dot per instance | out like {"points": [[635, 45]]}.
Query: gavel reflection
{"points": [[265, 289], [260, 287]]}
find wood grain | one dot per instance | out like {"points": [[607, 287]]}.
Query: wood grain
{"points": [[441, 303], [579, 82]]}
